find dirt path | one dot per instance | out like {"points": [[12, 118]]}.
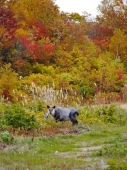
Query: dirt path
{"points": [[94, 163]]}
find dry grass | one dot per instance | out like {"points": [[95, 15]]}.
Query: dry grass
{"points": [[50, 95]]}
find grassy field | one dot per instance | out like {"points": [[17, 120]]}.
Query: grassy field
{"points": [[83, 147]]}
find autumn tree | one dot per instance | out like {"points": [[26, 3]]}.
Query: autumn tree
{"points": [[113, 13], [108, 74], [38, 45], [8, 27], [118, 45], [45, 11], [33, 40], [76, 29], [9, 83], [3, 3], [100, 34]]}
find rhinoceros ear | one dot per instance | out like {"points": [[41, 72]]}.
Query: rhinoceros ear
{"points": [[54, 107], [48, 106]]}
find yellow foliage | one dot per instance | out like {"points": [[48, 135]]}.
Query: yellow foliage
{"points": [[22, 32]]}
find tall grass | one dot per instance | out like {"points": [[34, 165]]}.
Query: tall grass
{"points": [[52, 96]]}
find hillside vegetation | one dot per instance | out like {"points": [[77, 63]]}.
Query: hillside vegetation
{"points": [[48, 57], [83, 57]]}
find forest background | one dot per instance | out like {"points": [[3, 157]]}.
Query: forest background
{"points": [[63, 59], [44, 51]]}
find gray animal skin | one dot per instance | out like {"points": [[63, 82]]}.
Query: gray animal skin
{"points": [[64, 114]]}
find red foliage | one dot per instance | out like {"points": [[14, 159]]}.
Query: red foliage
{"points": [[30, 45], [120, 75], [96, 90], [36, 51], [19, 63], [6, 95], [25, 41], [39, 30], [49, 47], [101, 35], [102, 31], [102, 42], [8, 21]]}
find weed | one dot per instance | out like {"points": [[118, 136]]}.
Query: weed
{"points": [[6, 137], [117, 165], [117, 150]]}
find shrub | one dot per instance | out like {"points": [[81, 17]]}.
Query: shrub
{"points": [[36, 107], [103, 114], [6, 137], [111, 114], [17, 117], [9, 83]]}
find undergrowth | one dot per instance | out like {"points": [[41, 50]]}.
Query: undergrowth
{"points": [[26, 133]]}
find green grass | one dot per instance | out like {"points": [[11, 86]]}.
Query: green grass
{"points": [[42, 153], [60, 152], [35, 161]]}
